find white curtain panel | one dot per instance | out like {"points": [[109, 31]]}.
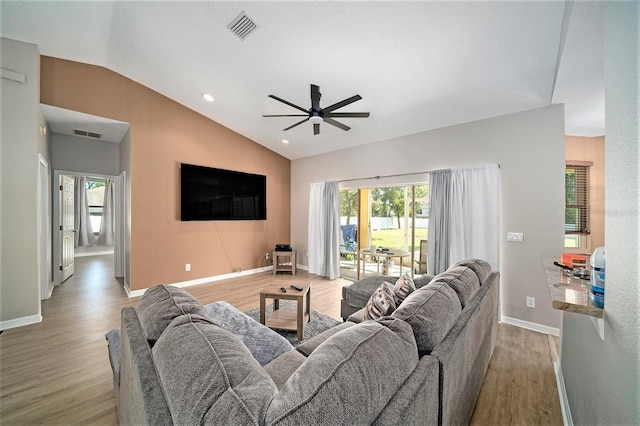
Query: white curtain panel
{"points": [[324, 229], [439, 221], [317, 227], [331, 205], [475, 215], [82, 222], [105, 238]]}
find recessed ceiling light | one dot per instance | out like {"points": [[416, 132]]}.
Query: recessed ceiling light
{"points": [[207, 97], [285, 140]]}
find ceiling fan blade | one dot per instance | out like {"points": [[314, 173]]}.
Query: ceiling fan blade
{"points": [[342, 103], [336, 123], [315, 97], [297, 124], [287, 115], [316, 129], [289, 103], [349, 114]]}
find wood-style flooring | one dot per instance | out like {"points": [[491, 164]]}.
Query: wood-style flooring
{"points": [[58, 373]]}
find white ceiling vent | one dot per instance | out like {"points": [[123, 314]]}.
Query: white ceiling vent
{"points": [[87, 134], [242, 26]]}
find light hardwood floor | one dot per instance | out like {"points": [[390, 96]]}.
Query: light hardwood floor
{"points": [[57, 372]]}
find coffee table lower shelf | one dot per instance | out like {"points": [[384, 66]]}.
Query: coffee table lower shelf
{"points": [[286, 320]]}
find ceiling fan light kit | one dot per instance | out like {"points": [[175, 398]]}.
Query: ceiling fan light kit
{"points": [[317, 115]]}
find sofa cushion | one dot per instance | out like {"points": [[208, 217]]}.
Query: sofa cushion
{"points": [[422, 280], [402, 288], [263, 343], [209, 376], [281, 368], [431, 311], [159, 305], [482, 268], [309, 345], [380, 354], [463, 280], [380, 303]]}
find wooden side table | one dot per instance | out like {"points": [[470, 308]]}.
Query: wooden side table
{"points": [[285, 319], [279, 264]]}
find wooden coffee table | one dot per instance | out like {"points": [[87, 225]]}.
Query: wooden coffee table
{"points": [[286, 319]]}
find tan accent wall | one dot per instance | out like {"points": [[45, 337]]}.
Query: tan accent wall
{"points": [[164, 134], [591, 150]]}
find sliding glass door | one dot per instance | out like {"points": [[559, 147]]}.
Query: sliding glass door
{"points": [[385, 228]]}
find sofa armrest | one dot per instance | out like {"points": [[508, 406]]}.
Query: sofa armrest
{"points": [[310, 345], [141, 400]]}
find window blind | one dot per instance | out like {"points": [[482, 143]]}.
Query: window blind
{"points": [[576, 199]]}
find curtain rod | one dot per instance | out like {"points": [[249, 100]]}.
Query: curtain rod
{"points": [[388, 176], [396, 175]]}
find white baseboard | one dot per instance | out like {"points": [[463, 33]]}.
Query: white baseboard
{"points": [[93, 253], [562, 394], [136, 293], [19, 322], [545, 329]]}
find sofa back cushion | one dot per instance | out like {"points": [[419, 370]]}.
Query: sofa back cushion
{"points": [[463, 280], [159, 305], [431, 311], [350, 377], [482, 268], [209, 376]]}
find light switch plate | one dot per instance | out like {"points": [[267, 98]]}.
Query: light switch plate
{"points": [[516, 237]]}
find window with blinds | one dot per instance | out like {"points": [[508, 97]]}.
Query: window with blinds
{"points": [[576, 181]]}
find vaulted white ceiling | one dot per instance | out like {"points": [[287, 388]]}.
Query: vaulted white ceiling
{"points": [[417, 65]]}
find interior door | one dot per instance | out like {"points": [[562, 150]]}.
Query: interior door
{"points": [[66, 227]]}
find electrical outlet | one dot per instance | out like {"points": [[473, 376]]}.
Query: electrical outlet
{"points": [[267, 255], [531, 302], [516, 237], [187, 267]]}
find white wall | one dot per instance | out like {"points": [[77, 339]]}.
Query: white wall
{"points": [[602, 377], [19, 290], [73, 153], [529, 146]]}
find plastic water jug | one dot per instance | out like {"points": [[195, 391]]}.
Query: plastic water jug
{"points": [[597, 277]]}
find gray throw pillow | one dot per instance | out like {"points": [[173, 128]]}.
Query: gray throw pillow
{"points": [[263, 343], [159, 305]]}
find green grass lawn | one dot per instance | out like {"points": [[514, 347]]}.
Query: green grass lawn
{"points": [[394, 238]]}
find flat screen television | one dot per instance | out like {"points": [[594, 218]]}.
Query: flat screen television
{"points": [[217, 194]]}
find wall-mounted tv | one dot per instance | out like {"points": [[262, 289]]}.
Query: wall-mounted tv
{"points": [[216, 194]]}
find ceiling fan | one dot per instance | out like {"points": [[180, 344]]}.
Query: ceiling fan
{"points": [[317, 115]]}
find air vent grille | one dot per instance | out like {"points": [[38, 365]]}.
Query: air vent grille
{"points": [[87, 134], [242, 25]]}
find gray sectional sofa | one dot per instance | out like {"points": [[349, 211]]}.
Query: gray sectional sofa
{"points": [[178, 362]]}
